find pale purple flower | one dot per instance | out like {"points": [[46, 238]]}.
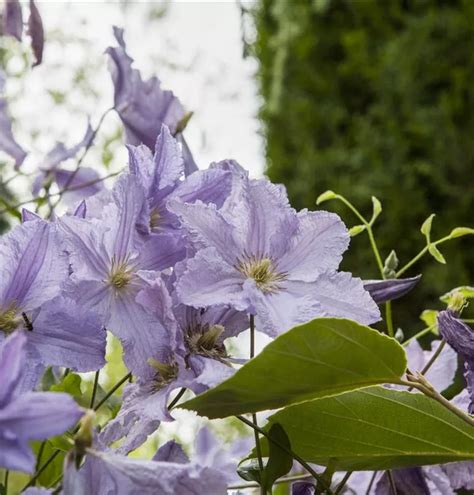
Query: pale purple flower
{"points": [[303, 488], [144, 106], [461, 337], [7, 141], [106, 473], [36, 33], [260, 256], [112, 263], [12, 17], [162, 177], [83, 182], [33, 268], [191, 355], [382, 291], [26, 416]]}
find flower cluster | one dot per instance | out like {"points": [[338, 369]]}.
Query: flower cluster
{"points": [[173, 261]]}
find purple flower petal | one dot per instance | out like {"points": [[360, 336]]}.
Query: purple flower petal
{"points": [[7, 141], [189, 163], [142, 105], [16, 454], [36, 416], [316, 247], [67, 334], [382, 291], [36, 32], [28, 216], [410, 480], [171, 452], [12, 356], [457, 334], [13, 19], [32, 265], [302, 488]]}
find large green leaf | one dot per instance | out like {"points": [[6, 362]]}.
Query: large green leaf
{"points": [[324, 357], [375, 428]]}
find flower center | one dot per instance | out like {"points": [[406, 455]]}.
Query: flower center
{"points": [[155, 218], [120, 275], [9, 320], [165, 372], [263, 271], [205, 341]]}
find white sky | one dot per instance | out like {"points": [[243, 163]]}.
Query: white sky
{"points": [[195, 49]]}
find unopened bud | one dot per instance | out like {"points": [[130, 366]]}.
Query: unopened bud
{"points": [[85, 435], [457, 302]]}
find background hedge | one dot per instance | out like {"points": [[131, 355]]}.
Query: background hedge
{"points": [[375, 97]]}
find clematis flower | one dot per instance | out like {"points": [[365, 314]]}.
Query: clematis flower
{"points": [[26, 416], [111, 264], [79, 180], [143, 106], [33, 268], [162, 177], [260, 256], [191, 355], [12, 17], [382, 291], [7, 141], [461, 337], [106, 472]]}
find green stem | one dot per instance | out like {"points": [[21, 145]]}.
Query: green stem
{"points": [[112, 391], [41, 470], [343, 482], [420, 255], [388, 318], [419, 334], [393, 487], [433, 358], [433, 394], [176, 399], [40, 454], [94, 389], [295, 456], [254, 415], [372, 479], [288, 479], [5, 481]]}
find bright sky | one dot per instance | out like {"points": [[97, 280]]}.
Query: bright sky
{"points": [[195, 49]]}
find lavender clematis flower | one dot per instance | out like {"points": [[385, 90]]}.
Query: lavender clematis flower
{"points": [[27, 416], [83, 182], [7, 141], [382, 291], [111, 264], [143, 106], [191, 355], [33, 268], [461, 337], [410, 481], [13, 19], [260, 256], [108, 473], [302, 488], [36, 33], [161, 175]]}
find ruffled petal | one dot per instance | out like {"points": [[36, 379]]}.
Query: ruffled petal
{"points": [[316, 247]]}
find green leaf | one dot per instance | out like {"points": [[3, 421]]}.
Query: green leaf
{"points": [[71, 384], [375, 428], [429, 316], [465, 290], [326, 356], [326, 196], [434, 251], [249, 470], [62, 442], [356, 230], [426, 227], [376, 209], [279, 461], [460, 232]]}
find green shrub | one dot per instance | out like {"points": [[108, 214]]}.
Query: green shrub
{"points": [[375, 97]]}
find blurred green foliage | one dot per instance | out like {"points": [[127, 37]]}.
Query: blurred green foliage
{"points": [[375, 97]]}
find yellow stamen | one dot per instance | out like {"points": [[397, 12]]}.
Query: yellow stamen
{"points": [[263, 271]]}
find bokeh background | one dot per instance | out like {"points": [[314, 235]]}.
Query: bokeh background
{"points": [[364, 97]]}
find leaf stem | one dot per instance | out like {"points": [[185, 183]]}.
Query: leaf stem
{"points": [[94, 389], [176, 399], [393, 487], [343, 482], [254, 415], [426, 388], [419, 334], [112, 391], [295, 456], [5, 481]]}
